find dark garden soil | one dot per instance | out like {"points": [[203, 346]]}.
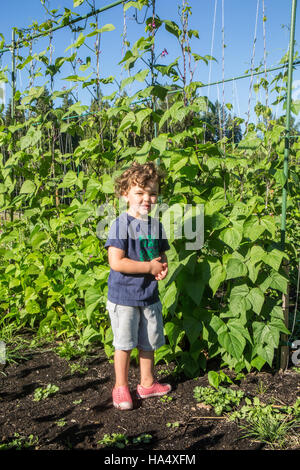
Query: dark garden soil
{"points": [[81, 412]]}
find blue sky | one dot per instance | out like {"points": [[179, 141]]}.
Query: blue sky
{"points": [[239, 29]]}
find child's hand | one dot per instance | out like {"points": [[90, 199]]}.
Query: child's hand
{"points": [[155, 266], [160, 276]]}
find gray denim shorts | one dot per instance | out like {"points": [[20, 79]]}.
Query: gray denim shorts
{"points": [[136, 327]]}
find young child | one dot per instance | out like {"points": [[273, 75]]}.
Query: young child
{"points": [[136, 253]]}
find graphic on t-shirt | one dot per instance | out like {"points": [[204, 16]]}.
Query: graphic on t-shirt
{"points": [[149, 248]]}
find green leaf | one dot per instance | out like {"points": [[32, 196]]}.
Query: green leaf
{"points": [[92, 298], [218, 275], [253, 229], [169, 298], [235, 268], [237, 325], [279, 282], [126, 81], [256, 254], [107, 184], [69, 180], [77, 78], [159, 91], [279, 325], [258, 362], [32, 307], [162, 352], [89, 335], [134, 4], [266, 352], [31, 138], [77, 3], [270, 224], [250, 142], [127, 121], [233, 342], [39, 239], [172, 28], [257, 298], [190, 366], [253, 270], [280, 177], [28, 187], [104, 29], [238, 298], [214, 379], [84, 212], [174, 333], [192, 326], [194, 288], [216, 221], [33, 94], [265, 334], [140, 118], [232, 237], [79, 41], [212, 207], [160, 142], [140, 76], [92, 189], [274, 258]]}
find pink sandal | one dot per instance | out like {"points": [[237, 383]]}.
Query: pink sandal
{"points": [[156, 390], [122, 398]]}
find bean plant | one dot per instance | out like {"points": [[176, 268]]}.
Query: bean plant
{"points": [[223, 300]]}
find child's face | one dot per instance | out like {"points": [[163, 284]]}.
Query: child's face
{"points": [[141, 199]]}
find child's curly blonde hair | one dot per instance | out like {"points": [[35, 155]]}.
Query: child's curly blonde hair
{"points": [[138, 174]]}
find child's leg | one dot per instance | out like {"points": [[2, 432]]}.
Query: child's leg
{"points": [[146, 367], [121, 364]]}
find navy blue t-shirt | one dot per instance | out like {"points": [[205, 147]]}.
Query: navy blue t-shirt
{"points": [[142, 240]]}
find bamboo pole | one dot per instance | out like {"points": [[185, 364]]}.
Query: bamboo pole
{"points": [[284, 352]]}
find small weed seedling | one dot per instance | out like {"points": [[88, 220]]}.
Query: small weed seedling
{"points": [[261, 388], [77, 368], [176, 424], [77, 402], [61, 422], [70, 350], [20, 442], [120, 441], [42, 393], [223, 399], [142, 439], [114, 440], [166, 399]]}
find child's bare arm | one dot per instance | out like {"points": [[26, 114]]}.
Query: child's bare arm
{"points": [[118, 262]]}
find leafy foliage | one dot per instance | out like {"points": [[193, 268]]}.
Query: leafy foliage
{"points": [[58, 164]]}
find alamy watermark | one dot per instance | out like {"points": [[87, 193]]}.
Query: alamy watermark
{"points": [[178, 221], [296, 354], [2, 352]]}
